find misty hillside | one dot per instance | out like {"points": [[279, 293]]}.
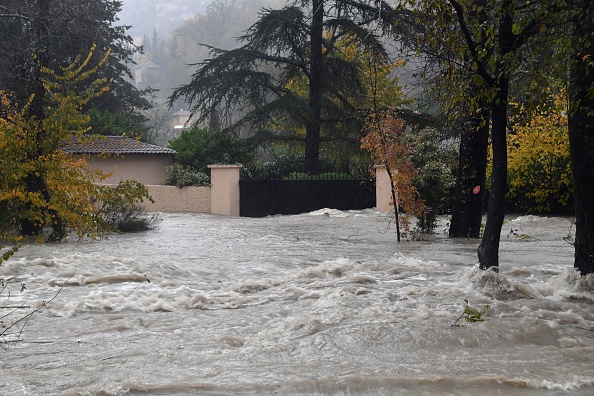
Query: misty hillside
{"points": [[163, 15]]}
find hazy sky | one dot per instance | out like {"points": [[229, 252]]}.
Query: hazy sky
{"points": [[164, 15]]}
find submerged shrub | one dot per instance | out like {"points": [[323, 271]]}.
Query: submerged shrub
{"points": [[129, 217], [121, 211]]}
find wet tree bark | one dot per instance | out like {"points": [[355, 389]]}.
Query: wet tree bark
{"points": [[581, 135], [488, 250], [472, 167]]}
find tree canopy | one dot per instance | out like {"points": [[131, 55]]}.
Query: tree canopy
{"points": [[295, 42], [72, 27]]}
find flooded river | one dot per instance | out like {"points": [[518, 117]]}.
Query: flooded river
{"points": [[324, 303]]}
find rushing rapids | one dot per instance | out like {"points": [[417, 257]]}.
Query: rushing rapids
{"points": [[325, 303]]}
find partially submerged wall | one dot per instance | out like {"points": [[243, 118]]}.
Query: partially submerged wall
{"points": [[224, 196], [175, 199]]}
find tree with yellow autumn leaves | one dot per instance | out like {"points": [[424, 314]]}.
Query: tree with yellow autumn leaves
{"points": [[539, 166], [42, 188]]}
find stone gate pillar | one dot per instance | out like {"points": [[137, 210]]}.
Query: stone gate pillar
{"points": [[224, 191]]}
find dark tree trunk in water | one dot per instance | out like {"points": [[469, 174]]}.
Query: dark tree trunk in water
{"points": [[314, 124], [581, 137], [488, 250], [472, 167]]}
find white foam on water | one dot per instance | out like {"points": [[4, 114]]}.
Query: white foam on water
{"points": [[313, 304]]}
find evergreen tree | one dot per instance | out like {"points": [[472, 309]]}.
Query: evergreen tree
{"points": [[297, 41], [72, 27]]}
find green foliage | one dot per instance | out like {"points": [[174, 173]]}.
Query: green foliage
{"points": [[182, 176], [128, 217], [72, 28], [259, 81], [285, 161], [436, 161], [7, 252], [471, 315], [198, 148], [120, 210]]}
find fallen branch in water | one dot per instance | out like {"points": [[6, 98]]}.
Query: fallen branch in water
{"points": [[471, 315], [24, 319], [138, 284]]}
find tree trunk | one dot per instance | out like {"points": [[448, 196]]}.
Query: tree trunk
{"points": [[581, 136], [394, 192], [314, 124], [488, 250], [472, 167]]}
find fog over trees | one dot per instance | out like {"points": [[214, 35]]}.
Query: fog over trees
{"points": [[163, 15], [172, 35]]}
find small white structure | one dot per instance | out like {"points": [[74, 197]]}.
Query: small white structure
{"points": [[180, 120]]}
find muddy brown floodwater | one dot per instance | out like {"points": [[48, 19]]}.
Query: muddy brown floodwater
{"points": [[324, 303]]}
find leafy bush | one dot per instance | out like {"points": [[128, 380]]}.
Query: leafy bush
{"points": [[436, 161], [129, 217], [198, 148], [284, 163], [120, 209], [182, 176]]}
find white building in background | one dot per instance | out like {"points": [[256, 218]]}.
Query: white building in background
{"points": [[180, 120]]}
